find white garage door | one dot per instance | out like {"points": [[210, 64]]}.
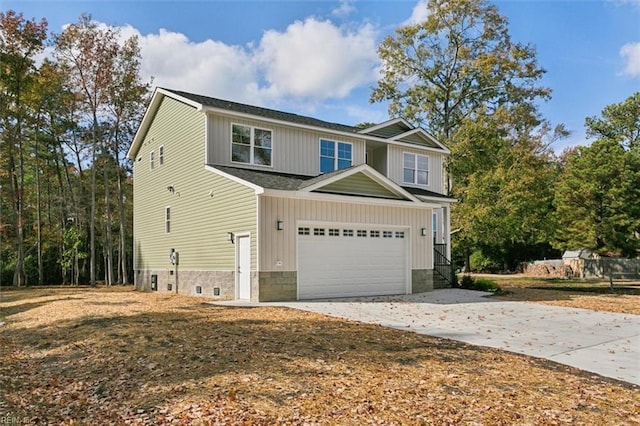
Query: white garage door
{"points": [[346, 261]]}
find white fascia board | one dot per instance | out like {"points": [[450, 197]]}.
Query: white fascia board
{"points": [[149, 114], [145, 123], [256, 188], [213, 110], [441, 200], [424, 133], [371, 173], [196, 105], [386, 124], [358, 135], [351, 199]]}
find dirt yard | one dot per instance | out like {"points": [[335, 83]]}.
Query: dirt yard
{"points": [[593, 295], [114, 356]]}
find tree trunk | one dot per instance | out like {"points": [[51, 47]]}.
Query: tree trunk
{"points": [[108, 273]]}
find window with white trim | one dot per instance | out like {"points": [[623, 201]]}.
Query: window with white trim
{"points": [[335, 155], [167, 220], [161, 155], [415, 169], [251, 145], [151, 160], [347, 232]]}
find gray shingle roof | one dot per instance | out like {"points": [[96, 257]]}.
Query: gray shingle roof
{"points": [[423, 192], [263, 112], [266, 178]]}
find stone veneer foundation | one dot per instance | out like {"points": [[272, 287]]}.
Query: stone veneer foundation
{"points": [[421, 280], [186, 282], [278, 286], [271, 286]]}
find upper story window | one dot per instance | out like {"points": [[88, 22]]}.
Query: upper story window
{"points": [[335, 155], [167, 220], [161, 156], [152, 164], [250, 145], [415, 169]]}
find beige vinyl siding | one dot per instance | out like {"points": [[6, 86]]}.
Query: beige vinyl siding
{"points": [[295, 151], [378, 159], [280, 246], [204, 206], [359, 184], [395, 159]]}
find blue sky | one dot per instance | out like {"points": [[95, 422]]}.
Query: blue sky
{"points": [[319, 57]]}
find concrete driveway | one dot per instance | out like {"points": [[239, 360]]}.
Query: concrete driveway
{"points": [[604, 343]]}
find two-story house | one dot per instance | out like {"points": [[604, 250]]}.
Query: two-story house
{"points": [[241, 202]]}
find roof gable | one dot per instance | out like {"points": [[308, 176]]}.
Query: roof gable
{"points": [[360, 180], [421, 137], [388, 129]]}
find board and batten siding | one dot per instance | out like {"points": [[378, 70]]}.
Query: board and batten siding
{"points": [[295, 150], [280, 246], [204, 206], [396, 164]]}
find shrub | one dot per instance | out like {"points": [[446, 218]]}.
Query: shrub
{"points": [[481, 284], [466, 282], [484, 284]]}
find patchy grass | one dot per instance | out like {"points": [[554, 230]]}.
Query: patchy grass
{"points": [[114, 356], [593, 295]]}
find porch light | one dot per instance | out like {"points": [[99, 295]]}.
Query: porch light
{"points": [[230, 237], [279, 225], [423, 232]]}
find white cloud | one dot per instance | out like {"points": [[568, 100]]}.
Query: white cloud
{"points": [[318, 60], [303, 66], [631, 54], [209, 67], [419, 14], [345, 8]]}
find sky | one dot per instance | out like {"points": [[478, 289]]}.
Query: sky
{"points": [[318, 58]]}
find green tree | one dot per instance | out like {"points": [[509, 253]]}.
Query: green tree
{"points": [[461, 76], [458, 62], [20, 41], [597, 197]]}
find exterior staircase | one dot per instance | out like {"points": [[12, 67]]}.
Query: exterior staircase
{"points": [[442, 267]]}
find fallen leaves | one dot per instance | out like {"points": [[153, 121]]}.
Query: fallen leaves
{"points": [[116, 356]]}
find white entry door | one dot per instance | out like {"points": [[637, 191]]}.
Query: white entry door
{"points": [[346, 261], [244, 267]]}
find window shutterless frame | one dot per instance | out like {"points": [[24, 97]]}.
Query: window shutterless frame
{"points": [[251, 145], [334, 155], [415, 169]]}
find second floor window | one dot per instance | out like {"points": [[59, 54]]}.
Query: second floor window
{"points": [[415, 169], [151, 160], [167, 220], [161, 155], [250, 145], [334, 155]]}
